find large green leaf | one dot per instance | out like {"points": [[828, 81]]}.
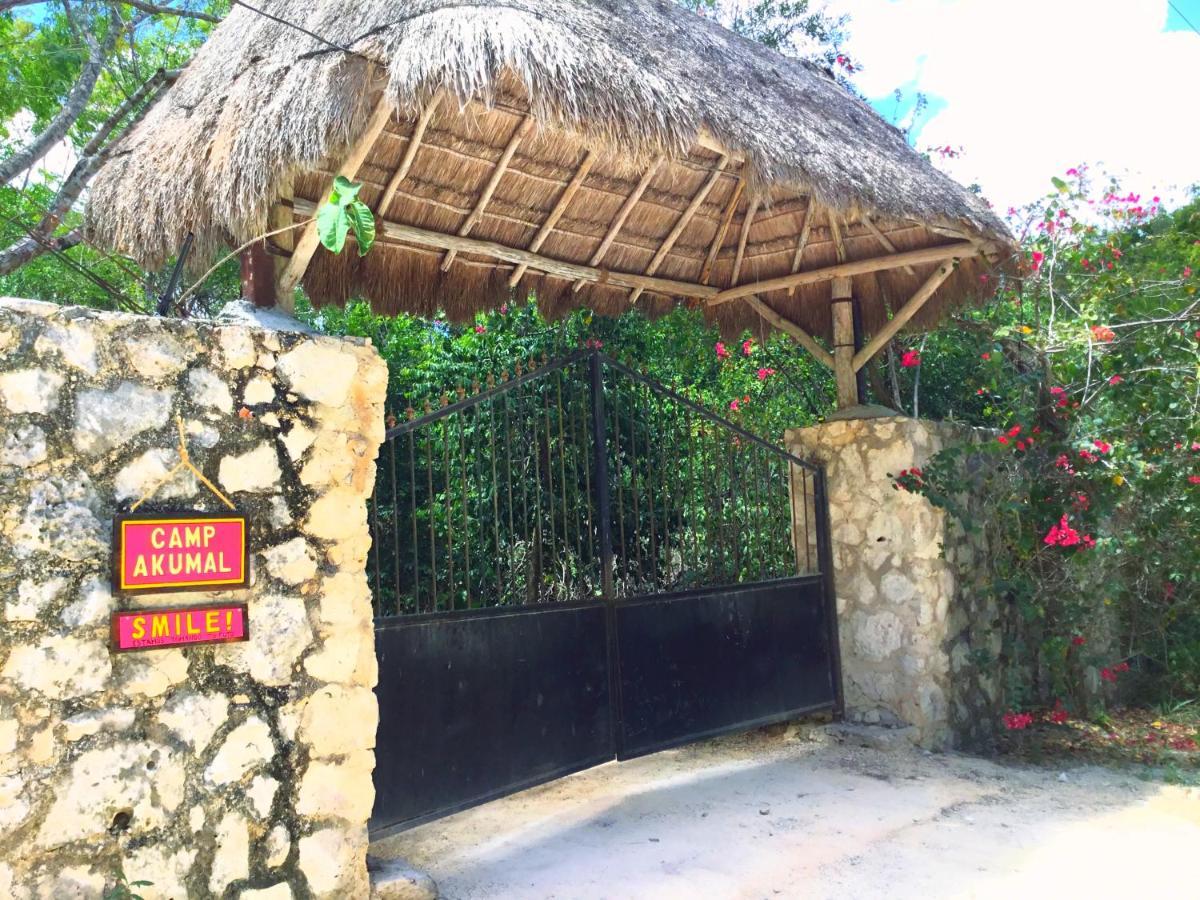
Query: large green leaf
{"points": [[333, 225], [362, 223], [344, 192]]}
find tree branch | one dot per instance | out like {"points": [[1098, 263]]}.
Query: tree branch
{"points": [[29, 248], [153, 8], [81, 92]]}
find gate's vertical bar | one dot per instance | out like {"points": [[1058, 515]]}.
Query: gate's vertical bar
{"points": [[600, 476], [825, 560], [603, 512]]}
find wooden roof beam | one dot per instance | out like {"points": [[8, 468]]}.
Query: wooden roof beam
{"points": [[684, 219], [805, 231], [423, 237], [884, 241], [747, 223], [309, 239], [722, 230], [622, 215], [901, 318], [490, 188], [960, 250], [564, 200], [787, 326], [410, 152]]}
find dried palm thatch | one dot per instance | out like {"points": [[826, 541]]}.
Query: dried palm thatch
{"points": [[600, 152]]}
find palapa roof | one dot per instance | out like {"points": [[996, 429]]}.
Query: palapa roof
{"points": [[600, 152]]}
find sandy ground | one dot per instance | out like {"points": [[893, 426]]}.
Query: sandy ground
{"points": [[766, 817]]}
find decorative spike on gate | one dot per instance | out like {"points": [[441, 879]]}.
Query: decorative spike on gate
{"points": [[410, 413], [444, 400], [504, 376], [461, 391], [428, 406], [475, 386], [518, 368], [491, 380]]}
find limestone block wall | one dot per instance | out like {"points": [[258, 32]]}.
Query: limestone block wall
{"points": [[920, 641], [233, 770]]}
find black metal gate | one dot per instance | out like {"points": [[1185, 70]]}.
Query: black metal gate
{"points": [[577, 564]]}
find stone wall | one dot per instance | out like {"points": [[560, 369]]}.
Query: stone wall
{"points": [[234, 770], [920, 643]]}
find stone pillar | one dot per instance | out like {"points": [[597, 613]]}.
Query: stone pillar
{"points": [[231, 770], [920, 642]]}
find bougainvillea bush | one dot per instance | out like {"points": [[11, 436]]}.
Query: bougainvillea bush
{"points": [[1088, 486]]}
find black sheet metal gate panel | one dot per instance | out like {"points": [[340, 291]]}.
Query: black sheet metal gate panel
{"points": [[577, 564]]}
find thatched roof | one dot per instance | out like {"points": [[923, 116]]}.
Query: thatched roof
{"points": [[685, 153]]}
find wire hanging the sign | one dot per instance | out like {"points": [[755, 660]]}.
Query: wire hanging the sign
{"points": [[185, 462]]}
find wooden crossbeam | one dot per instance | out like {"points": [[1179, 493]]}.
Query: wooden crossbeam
{"points": [[622, 215], [751, 211], [306, 244], [805, 231], [490, 188], [423, 237], [906, 312], [787, 326], [722, 230], [960, 250], [564, 200], [410, 152], [684, 218], [884, 241]]}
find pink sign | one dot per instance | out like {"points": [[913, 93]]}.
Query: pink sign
{"points": [[180, 552], [151, 629]]}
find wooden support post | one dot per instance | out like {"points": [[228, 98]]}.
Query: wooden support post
{"points": [[843, 344], [906, 312], [309, 240], [281, 245], [258, 275]]}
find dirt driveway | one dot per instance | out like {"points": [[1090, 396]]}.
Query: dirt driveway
{"points": [[766, 817]]}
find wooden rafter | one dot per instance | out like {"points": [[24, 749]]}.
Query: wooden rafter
{"points": [[805, 231], [423, 237], [306, 244], [901, 318], [490, 188], [960, 250], [884, 240], [622, 215], [835, 231], [684, 219], [722, 230], [564, 200], [806, 340], [751, 210], [410, 152]]}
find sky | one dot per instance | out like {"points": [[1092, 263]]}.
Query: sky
{"points": [[1030, 88]]}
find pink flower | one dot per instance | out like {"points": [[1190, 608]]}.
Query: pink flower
{"points": [[480, 329], [1017, 721], [764, 374], [722, 353], [503, 309], [1194, 479], [747, 346], [734, 405], [910, 359], [1078, 640], [1186, 273], [1061, 534], [1036, 259], [1116, 379], [1102, 446]]}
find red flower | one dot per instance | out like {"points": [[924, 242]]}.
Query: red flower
{"points": [[1017, 721], [764, 374], [1078, 640], [1063, 462], [985, 356], [1020, 445], [1061, 534], [1186, 273], [910, 359], [734, 405], [1102, 334], [1194, 479], [1102, 446], [1003, 439], [1036, 259], [722, 353], [1014, 431], [480, 329], [747, 346], [1059, 715], [1108, 675], [1116, 379]]}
